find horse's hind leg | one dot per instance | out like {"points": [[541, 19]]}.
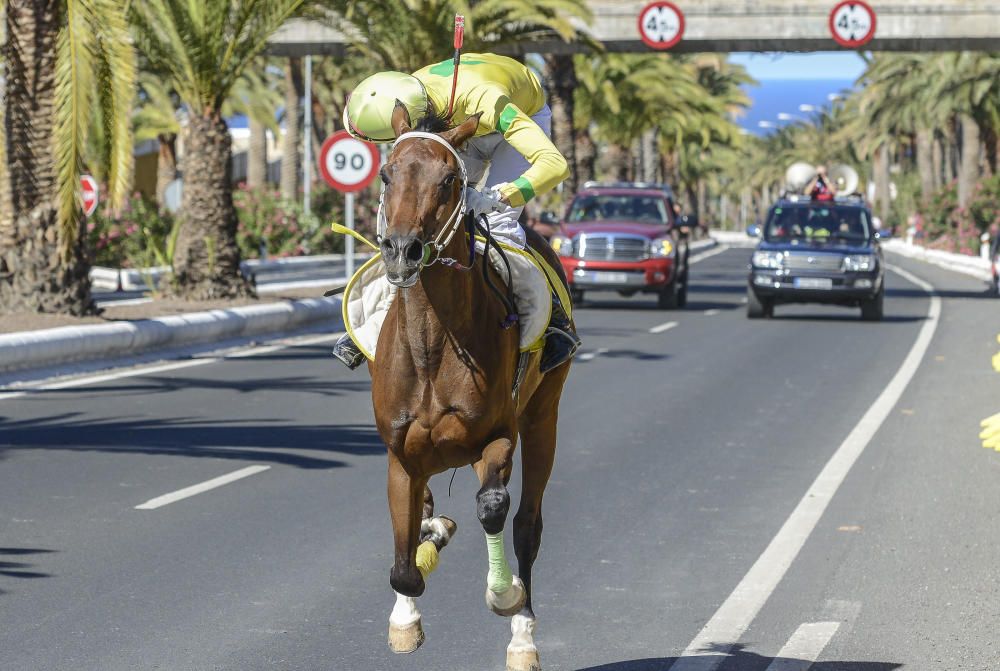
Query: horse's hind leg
{"points": [[504, 590], [538, 449]]}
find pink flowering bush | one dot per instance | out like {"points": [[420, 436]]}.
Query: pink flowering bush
{"points": [[137, 237]]}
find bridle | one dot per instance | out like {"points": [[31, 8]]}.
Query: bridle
{"points": [[432, 249]]}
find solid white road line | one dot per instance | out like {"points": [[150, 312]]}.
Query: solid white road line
{"points": [[663, 327], [587, 356], [187, 492], [711, 646], [804, 647], [161, 368], [708, 254], [712, 312]]}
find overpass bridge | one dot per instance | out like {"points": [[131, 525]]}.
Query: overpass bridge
{"points": [[740, 25]]}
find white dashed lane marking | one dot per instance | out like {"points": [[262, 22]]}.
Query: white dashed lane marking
{"points": [[587, 356], [804, 647], [201, 487], [663, 327], [712, 312]]}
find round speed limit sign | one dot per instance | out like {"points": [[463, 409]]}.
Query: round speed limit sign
{"points": [[661, 24], [348, 164], [852, 23]]}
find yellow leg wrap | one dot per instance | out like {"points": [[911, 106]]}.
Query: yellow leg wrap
{"points": [[427, 558], [996, 362]]}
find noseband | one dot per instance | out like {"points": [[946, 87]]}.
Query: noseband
{"points": [[432, 249]]}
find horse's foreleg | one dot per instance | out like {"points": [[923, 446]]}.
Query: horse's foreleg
{"points": [[538, 449], [406, 498], [505, 592]]}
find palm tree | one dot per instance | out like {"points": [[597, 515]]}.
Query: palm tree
{"points": [[290, 157], [156, 119], [205, 47], [65, 58]]}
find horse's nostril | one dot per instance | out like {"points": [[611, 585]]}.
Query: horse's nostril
{"points": [[415, 251]]}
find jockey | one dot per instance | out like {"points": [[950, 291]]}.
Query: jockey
{"points": [[512, 144]]}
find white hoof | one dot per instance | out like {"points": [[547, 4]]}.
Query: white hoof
{"points": [[507, 603], [523, 660], [405, 639]]}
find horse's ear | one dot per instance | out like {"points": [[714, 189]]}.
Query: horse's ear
{"points": [[463, 131], [400, 119]]}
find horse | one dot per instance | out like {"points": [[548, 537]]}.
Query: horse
{"points": [[442, 387]]}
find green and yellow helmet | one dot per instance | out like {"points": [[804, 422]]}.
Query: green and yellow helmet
{"points": [[368, 114]]}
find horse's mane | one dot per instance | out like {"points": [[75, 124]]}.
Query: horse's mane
{"points": [[434, 122]]}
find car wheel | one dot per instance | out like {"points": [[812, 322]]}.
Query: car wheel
{"points": [[682, 295], [669, 297], [576, 295], [871, 310], [758, 308]]}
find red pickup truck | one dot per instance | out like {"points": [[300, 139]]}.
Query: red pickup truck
{"points": [[625, 238]]}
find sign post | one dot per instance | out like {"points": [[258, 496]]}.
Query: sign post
{"points": [[852, 23], [91, 194], [348, 165], [661, 24]]}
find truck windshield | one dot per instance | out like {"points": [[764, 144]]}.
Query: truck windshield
{"points": [[639, 209], [817, 223]]}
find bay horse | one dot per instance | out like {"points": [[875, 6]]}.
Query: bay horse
{"points": [[442, 388]]}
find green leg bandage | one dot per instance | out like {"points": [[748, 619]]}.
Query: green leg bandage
{"points": [[500, 577], [427, 558]]}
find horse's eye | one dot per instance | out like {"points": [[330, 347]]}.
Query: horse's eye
{"points": [[448, 181], [384, 176]]}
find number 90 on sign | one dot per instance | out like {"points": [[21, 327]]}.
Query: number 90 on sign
{"points": [[348, 164]]}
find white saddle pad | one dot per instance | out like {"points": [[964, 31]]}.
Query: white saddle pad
{"points": [[369, 295]]}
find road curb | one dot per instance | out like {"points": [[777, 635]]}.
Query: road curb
{"points": [[47, 347], [975, 266]]}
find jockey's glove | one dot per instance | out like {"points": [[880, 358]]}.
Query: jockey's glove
{"points": [[479, 203]]}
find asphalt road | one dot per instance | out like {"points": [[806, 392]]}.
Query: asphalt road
{"points": [[683, 453]]}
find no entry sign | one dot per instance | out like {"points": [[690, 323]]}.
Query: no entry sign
{"points": [[90, 193], [852, 24], [348, 164], [661, 24]]}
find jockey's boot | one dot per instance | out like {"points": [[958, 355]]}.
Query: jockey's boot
{"points": [[561, 341], [348, 352]]}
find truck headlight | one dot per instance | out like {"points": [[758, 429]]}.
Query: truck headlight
{"points": [[859, 262], [773, 260], [661, 247], [561, 245]]}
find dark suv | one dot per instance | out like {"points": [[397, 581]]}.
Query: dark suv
{"points": [[817, 252]]}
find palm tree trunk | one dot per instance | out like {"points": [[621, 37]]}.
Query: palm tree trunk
{"points": [[969, 169], [618, 159], [882, 190], [166, 167], [992, 147], [33, 275], [560, 80], [702, 209], [586, 156], [257, 155], [290, 161], [925, 164], [207, 259], [649, 156], [937, 162]]}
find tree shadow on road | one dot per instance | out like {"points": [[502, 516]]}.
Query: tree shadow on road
{"points": [[155, 384], [257, 440], [17, 569], [740, 659]]}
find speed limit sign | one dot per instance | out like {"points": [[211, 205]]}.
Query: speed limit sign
{"points": [[346, 163], [852, 23], [661, 24]]}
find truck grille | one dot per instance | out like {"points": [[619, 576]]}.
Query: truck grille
{"points": [[803, 261], [612, 248]]}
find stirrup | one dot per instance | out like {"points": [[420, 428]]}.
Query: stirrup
{"points": [[560, 347], [348, 353]]}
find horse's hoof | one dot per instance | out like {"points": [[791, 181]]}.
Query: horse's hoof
{"points": [[405, 639], [523, 660], [510, 602]]}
